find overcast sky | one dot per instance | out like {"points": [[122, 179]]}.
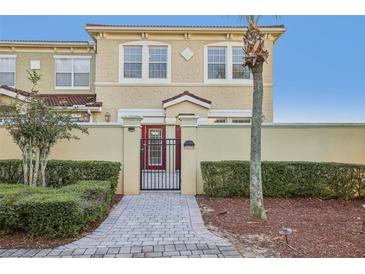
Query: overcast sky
{"points": [[319, 63]]}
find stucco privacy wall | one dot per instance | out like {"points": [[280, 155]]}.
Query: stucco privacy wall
{"points": [[102, 143], [319, 143]]}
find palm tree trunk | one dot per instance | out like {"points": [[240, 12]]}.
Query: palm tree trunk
{"points": [[256, 197]]}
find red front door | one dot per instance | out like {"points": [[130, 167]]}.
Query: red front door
{"points": [[154, 148]]}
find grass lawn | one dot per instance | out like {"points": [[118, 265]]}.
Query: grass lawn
{"points": [[331, 228]]}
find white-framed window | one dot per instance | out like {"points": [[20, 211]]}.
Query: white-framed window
{"points": [[133, 62], [144, 61], [7, 70], [157, 63], [238, 70], [223, 63], [234, 120], [72, 72], [155, 147], [217, 60]]}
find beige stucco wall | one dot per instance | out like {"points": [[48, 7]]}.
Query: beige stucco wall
{"points": [[47, 83], [320, 143], [185, 75], [102, 143], [192, 71], [228, 97], [186, 108], [5, 100]]}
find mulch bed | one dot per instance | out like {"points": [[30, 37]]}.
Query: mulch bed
{"points": [[331, 228], [22, 240]]}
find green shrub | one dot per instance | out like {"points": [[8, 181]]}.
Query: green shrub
{"points": [[63, 172], [55, 212], [285, 179]]}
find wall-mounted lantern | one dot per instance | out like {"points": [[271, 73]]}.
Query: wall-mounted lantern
{"points": [[86, 117], [107, 117], [189, 144]]}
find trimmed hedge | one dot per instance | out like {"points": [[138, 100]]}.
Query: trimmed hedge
{"points": [[55, 212], [63, 172], [285, 179]]}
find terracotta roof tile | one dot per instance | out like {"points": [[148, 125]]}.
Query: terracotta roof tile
{"points": [[186, 93], [15, 90], [66, 100], [71, 100]]}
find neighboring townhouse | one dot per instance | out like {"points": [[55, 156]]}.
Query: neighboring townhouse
{"points": [[156, 72], [67, 69]]}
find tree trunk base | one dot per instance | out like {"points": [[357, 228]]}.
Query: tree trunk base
{"points": [[257, 212]]}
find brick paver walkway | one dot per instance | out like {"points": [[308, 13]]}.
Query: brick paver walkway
{"points": [[158, 224]]}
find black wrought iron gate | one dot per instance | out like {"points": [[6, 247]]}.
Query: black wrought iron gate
{"points": [[160, 164]]}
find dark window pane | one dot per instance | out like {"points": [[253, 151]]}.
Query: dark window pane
{"points": [[7, 78], [132, 70], [63, 79], [81, 79], [157, 70], [216, 71]]}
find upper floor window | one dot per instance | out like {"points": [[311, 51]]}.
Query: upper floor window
{"points": [[72, 72], [217, 63], [238, 70], [224, 63], [157, 62], [145, 61], [7, 70], [133, 62]]}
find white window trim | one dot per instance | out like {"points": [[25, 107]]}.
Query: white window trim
{"points": [[73, 57], [229, 77], [13, 94], [186, 98], [240, 113], [145, 63], [14, 56]]}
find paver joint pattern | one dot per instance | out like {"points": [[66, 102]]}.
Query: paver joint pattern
{"points": [[149, 225]]}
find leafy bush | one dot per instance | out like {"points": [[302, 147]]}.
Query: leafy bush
{"points": [[285, 179], [63, 172], [55, 212]]}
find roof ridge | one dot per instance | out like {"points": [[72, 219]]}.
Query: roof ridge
{"points": [[46, 41], [178, 26]]}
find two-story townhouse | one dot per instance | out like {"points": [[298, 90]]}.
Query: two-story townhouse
{"points": [[160, 72], [156, 72], [67, 69]]}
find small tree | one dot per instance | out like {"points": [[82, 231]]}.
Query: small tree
{"points": [[35, 128]]}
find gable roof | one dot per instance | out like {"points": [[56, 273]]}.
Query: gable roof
{"points": [[186, 96], [55, 100]]}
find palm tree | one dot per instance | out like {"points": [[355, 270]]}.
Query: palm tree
{"points": [[255, 56]]}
